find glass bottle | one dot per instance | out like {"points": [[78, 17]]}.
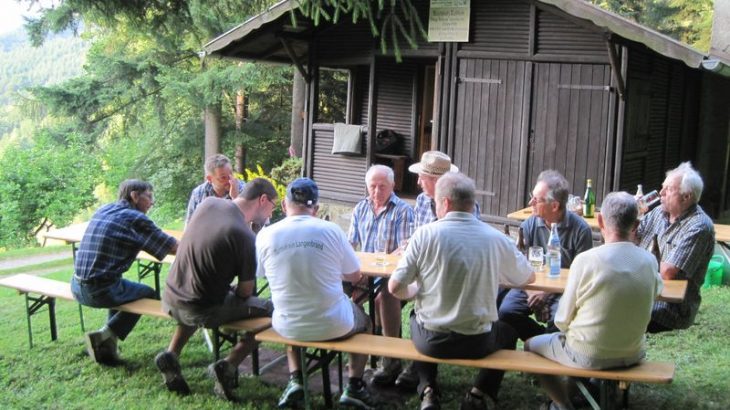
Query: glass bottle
{"points": [[553, 251], [521, 241], [589, 200]]}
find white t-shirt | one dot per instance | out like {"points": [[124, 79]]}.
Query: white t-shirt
{"points": [[304, 258]]}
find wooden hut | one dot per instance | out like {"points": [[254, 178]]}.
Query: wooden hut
{"points": [[543, 84]]}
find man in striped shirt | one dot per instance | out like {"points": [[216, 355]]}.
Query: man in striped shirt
{"points": [[686, 238], [382, 216]]}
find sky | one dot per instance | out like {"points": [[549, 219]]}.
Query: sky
{"points": [[11, 15]]}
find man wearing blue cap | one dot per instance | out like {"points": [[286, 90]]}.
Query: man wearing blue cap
{"points": [[305, 259]]}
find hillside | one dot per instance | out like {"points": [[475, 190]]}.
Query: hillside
{"points": [[61, 57]]}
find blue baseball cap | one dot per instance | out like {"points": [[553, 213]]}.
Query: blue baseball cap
{"points": [[303, 191]]}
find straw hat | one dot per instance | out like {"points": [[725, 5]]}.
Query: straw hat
{"points": [[433, 163]]}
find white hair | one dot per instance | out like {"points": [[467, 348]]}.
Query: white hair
{"points": [[388, 171], [690, 180], [620, 212]]}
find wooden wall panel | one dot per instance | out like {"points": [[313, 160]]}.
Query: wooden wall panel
{"points": [[488, 130], [570, 123], [499, 26], [395, 93], [559, 36], [339, 177]]}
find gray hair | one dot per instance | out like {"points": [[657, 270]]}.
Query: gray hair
{"points": [[690, 180], [132, 185], [388, 171], [558, 187], [459, 188], [214, 162], [620, 212]]}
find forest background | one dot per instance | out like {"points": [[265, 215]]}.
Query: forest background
{"points": [[92, 93]]}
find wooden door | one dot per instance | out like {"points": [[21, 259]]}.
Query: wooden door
{"points": [[570, 124], [490, 130]]}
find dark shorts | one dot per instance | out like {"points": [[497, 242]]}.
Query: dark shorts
{"points": [[233, 308]]}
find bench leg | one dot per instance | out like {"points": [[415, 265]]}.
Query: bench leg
{"points": [[326, 389], [33, 305], [305, 376], [81, 318], [145, 269], [608, 394]]}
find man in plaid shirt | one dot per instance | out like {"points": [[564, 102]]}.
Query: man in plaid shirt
{"points": [[114, 237], [382, 216], [686, 238]]}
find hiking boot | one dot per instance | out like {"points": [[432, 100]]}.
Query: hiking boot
{"points": [[103, 351], [429, 400], [358, 398], [224, 375], [408, 378], [171, 373], [473, 402], [388, 373], [293, 395]]}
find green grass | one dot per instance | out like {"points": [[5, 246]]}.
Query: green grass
{"points": [[24, 252], [59, 375], [58, 263]]}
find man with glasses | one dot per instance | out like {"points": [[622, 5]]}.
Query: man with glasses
{"points": [[219, 182], [686, 238], [217, 247], [548, 200], [116, 234]]}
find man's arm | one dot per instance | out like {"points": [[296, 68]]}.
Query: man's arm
{"points": [[401, 290], [235, 187], [352, 277], [669, 271]]}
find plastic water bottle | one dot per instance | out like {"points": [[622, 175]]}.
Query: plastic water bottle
{"points": [[553, 249]]}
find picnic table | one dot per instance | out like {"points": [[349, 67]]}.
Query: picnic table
{"points": [[673, 290], [146, 264]]}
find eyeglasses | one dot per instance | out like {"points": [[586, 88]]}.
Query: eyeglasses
{"points": [[270, 201], [537, 200]]}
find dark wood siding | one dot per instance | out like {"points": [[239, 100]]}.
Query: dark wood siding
{"points": [[339, 177], [570, 122], [332, 45], [499, 26], [396, 100], [556, 35], [489, 132]]}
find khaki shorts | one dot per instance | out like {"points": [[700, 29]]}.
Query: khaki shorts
{"points": [[233, 308]]}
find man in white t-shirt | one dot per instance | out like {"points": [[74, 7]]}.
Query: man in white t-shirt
{"points": [[452, 268], [305, 259]]}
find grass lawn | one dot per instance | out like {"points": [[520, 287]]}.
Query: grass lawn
{"points": [[59, 375]]}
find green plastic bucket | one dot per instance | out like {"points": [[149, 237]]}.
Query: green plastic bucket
{"points": [[715, 270]]}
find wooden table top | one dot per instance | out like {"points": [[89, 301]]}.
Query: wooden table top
{"points": [[74, 233], [673, 291], [722, 233]]}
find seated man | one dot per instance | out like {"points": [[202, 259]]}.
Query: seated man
{"points": [[305, 260], [219, 182], [686, 238], [116, 234], [454, 282], [606, 305], [217, 247], [548, 207], [382, 213]]}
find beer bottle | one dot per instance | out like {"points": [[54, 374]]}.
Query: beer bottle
{"points": [[589, 200], [655, 249], [521, 241]]}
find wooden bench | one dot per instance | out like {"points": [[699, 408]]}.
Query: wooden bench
{"points": [[508, 360], [48, 290]]}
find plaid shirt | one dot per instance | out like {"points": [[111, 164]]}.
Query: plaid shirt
{"points": [[203, 191], [688, 244], [114, 237], [425, 210], [396, 222]]}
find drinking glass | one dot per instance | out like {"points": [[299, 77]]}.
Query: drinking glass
{"points": [[535, 255], [381, 249]]}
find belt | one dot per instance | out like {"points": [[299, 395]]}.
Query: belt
{"points": [[93, 281]]}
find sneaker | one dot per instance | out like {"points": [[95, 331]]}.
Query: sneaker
{"points": [[429, 400], [293, 395], [224, 375], [360, 399], [171, 373], [408, 378], [103, 351], [473, 402], [388, 372]]}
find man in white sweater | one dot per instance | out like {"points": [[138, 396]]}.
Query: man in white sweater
{"points": [[606, 305]]}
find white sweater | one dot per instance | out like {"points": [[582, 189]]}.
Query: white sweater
{"points": [[607, 302]]}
